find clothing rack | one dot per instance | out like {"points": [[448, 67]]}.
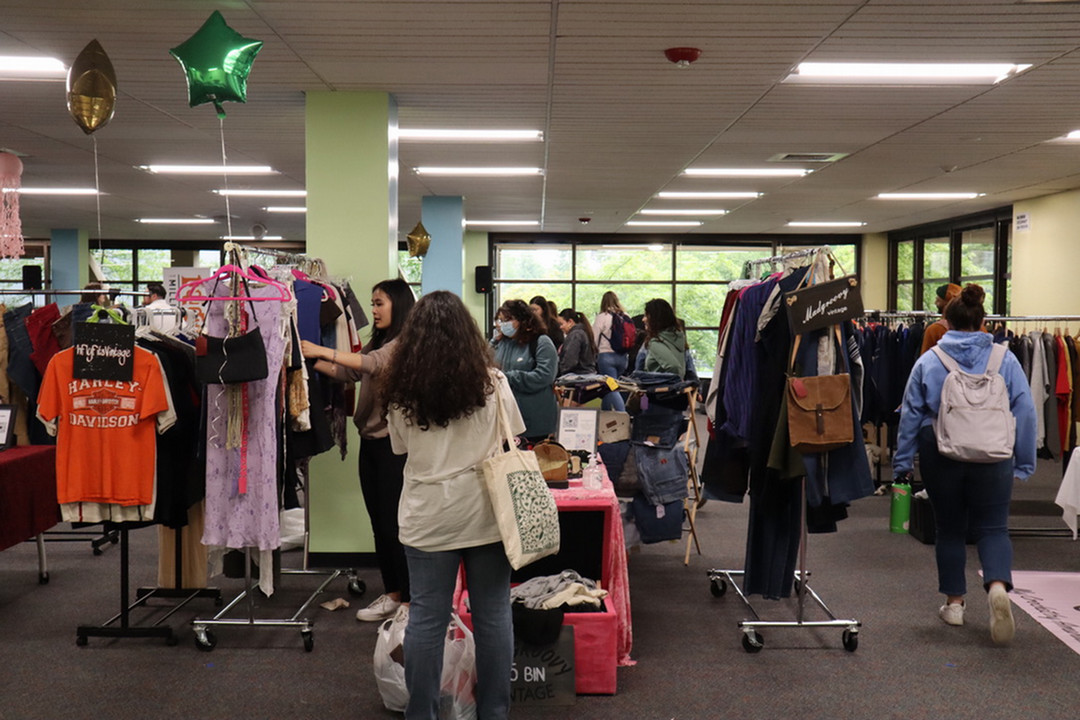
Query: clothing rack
{"points": [[719, 579]]}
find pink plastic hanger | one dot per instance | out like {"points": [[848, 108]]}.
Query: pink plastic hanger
{"points": [[225, 271]]}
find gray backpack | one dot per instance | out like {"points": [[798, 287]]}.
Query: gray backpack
{"points": [[975, 423]]}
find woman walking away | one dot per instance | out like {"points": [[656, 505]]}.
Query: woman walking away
{"points": [[380, 469], [610, 361], [442, 411], [975, 490], [578, 351], [530, 362]]}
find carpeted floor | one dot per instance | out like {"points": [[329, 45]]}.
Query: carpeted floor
{"points": [[690, 661]]}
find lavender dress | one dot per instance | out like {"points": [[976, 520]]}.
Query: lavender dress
{"points": [[238, 519]]}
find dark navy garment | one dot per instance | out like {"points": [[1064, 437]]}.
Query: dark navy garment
{"points": [[656, 525], [308, 307], [742, 368], [21, 369]]}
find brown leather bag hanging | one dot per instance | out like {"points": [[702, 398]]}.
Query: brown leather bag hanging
{"points": [[554, 463], [819, 410]]}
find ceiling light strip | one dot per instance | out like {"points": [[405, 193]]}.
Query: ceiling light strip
{"points": [[209, 169], [929, 196], [471, 135], [718, 195], [261, 193], [480, 171]]}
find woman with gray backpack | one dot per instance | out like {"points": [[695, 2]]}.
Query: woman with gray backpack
{"points": [[968, 412]]}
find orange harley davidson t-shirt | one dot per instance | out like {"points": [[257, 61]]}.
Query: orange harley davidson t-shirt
{"points": [[105, 449]]}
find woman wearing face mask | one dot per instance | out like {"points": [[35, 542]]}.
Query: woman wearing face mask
{"points": [[528, 358], [381, 471]]}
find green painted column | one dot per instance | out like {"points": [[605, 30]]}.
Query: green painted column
{"points": [[476, 253], [352, 190]]}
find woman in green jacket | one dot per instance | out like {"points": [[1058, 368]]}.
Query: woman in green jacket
{"points": [[665, 340], [528, 358]]}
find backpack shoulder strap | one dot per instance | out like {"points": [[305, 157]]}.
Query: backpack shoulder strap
{"points": [[946, 359], [997, 356]]}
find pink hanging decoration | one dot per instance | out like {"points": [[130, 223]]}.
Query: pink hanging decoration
{"points": [[11, 239]]}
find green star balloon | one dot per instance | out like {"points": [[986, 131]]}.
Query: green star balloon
{"points": [[216, 60]]}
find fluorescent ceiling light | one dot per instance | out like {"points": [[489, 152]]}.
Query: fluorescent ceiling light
{"points": [[251, 237], [664, 223], [480, 171], [508, 223], [1074, 135], [901, 73], [660, 211], [929, 196], [286, 209], [14, 67], [671, 194], [472, 135], [823, 224], [210, 169], [747, 172], [262, 193], [52, 191], [176, 221]]}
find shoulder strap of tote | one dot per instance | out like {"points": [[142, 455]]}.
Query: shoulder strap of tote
{"points": [[505, 434]]}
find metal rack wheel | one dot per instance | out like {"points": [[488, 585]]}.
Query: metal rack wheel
{"points": [[309, 639], [204, 638], [850, 639], [43, 578], [718, 587], [752, 641], [357, 587]]}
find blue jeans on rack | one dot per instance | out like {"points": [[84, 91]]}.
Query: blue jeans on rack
{"points": [[964, 492], [20, 368], [613, 364], [432, 577]]}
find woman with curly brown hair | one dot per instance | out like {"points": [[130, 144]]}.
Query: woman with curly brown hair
{"points": [[380, 469], [528, 357], [442, 411]]}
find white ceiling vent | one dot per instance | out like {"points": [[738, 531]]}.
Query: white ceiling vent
{"points": [[808, 157]]}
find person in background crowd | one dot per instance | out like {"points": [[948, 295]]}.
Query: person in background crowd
{"points": [[945, 295], [95, 294], [578, 351], [609, 362], [161, 315], [380, 468], [529, 359], [547, 314], [665, 349], [967, 493], [442, 409]]}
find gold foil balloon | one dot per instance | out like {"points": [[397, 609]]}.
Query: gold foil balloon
{"points": [[418, 241], [91, 88]]}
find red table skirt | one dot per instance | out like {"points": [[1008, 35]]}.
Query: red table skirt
{"points": [[28, 504]]}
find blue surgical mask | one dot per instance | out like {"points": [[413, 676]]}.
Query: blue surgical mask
{"points": [[507, 328]]}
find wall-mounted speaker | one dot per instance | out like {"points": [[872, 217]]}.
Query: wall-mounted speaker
{"points": [[31, 277], [483, 278]]}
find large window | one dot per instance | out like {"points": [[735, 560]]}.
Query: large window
{"points": [[575, 272], [973, 249], [11, 273]]}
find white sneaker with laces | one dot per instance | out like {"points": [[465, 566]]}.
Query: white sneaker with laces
{"points": [[1002, 626], [952, 613], [382, 608]]}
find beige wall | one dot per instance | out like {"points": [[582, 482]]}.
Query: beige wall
{"points": [[1045, 257], [874, 271]]}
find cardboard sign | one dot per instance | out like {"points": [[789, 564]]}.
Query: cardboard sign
{"points": [[544, 674], [817, 306], [104, 351]]}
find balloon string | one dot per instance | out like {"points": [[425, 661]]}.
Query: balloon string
{"points": [[97, 195], [225, 171]]}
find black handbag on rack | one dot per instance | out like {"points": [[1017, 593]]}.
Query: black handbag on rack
{"points": [[230, 360]]}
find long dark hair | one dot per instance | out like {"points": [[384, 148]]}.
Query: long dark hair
{"points": [[610, 303], [574, 316], [966, 312], [529, 325], [440, 368], [661, 317], [548, 310], [401, 303]]}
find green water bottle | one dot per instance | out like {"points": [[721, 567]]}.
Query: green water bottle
{"points": [[900, 508]]}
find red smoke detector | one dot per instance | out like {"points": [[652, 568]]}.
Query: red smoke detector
{"points": [[682, 56]]}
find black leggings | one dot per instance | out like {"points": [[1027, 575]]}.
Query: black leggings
{"points": [[381, 479]]}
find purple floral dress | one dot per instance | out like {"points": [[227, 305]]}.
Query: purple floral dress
{"points": [[241, 483]]}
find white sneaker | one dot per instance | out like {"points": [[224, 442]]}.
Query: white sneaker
{"points": [[382, 608], [952, 613], [1002, 626], [401, 617]]}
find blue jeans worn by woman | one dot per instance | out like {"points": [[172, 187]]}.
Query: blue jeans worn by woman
{"points": [[432, 577], [961, 492], [614, 365]]}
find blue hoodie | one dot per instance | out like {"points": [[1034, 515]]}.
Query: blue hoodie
{"points": [[922, 398]]}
